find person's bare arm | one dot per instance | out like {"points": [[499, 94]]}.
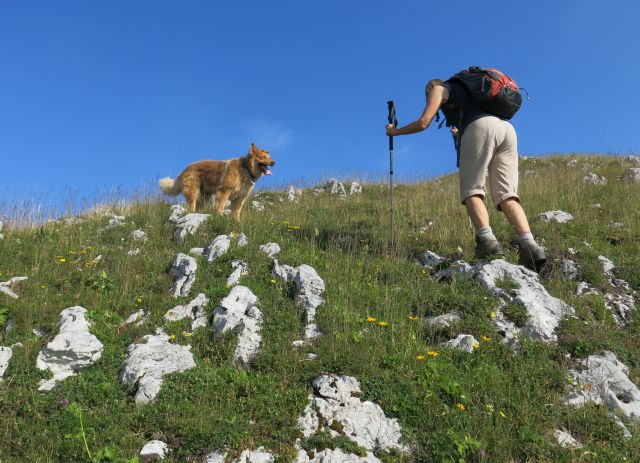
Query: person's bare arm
{"points": [[437, 96]]}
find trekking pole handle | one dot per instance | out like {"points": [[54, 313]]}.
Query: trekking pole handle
{"points": [[392, 119]]}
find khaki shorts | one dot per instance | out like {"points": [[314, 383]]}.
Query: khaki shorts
{"points": [[489, 144]]}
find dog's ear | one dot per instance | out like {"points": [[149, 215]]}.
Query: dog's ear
{"points": [[253, 150]]}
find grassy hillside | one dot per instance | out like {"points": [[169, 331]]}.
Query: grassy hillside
{"points": [[452, 406]]}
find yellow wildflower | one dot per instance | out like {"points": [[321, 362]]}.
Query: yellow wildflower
{"points": [[414, 317], [139, 299], [433, 353], [486, 338], [490, 408], [371, 319], [503, 415], [188, 334], [383, 324], [493, 314], [295, 227], [173, 337], [475, 345], [460, 406], [421, 357], [273, 281], [62, 259]]}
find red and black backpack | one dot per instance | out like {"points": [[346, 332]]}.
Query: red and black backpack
{"points": [[492, 90]]}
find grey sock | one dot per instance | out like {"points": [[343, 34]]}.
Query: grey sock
{"points": [[485, 232], [527, 236]]}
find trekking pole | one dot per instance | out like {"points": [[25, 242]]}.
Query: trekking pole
{"points": [[394, 121]]}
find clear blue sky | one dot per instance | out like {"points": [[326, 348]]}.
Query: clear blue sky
{"points": [[96, 95]]}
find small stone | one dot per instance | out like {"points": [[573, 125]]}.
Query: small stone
{"points": [[441, 322], [556, 216], [240, 268], [568, 269], [334, 187], [219, 246], [355, 188], [566, 440], [188, 225], [196, 251], [177, 211], [139, 235], [194, 311], [5, 356], [134, 317], [133, 252], [463, 342], [8, 287], [257, 206], [430, 260], [242, 240], [183, 270], [216, 457], [293, 194], [594, 179], [154, 451], [632, 175]]}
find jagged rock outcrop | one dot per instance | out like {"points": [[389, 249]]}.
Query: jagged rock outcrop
{"points": [[8, 287], [621, 301], [239, 314], [603, 379], [545, 312], [147, 363], [240, 268], [183, 270], [194, 311], [175, 213], [270, 249], [153, 451], [72, 350], [219, 246], [556, 216], [308, 291], [188, 225], [335, 405]]}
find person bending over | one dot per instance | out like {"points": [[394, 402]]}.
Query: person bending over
{"points": [[484, 143]]}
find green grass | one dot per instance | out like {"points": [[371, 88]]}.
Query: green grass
{"points": [[512, 402]]}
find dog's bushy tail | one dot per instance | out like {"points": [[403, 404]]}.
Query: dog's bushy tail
{"points": [[170, 186]]}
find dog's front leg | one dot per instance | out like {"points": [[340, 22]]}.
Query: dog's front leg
{"points": [[236, 207], [222, 196]]}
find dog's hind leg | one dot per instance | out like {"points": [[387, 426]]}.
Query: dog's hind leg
{"points": [[222, 196]]}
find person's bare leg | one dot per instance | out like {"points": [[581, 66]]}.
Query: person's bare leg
{"points": [[477, 211], [515, 215]]}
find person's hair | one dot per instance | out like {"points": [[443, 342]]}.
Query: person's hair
{"points": [[432, 83]]}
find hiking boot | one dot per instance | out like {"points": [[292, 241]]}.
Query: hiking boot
{"points": [[486, 247], [531, 255]]}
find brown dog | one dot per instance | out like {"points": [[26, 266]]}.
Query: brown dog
{"points": [[226, 180]]}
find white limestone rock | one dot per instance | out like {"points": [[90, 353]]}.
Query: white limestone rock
{"points": [[293, 194], [568, 269], [219, 246], [632, 175], [177, 211], [355, 188], [240, 268], [584, 288], [566, 440], [622, 301], [72, 350], [270, 249], [194, 311], [239, 314], [139, 235], [545, 311], [188, 225], [183, 270], [5, 355], [255, 456], [556, 216], [215, 457], [334, 187], [257, 206], [242, 240], [284, 272], [633, 160], [116, 221], [133, 252], [594, 179], [336, 399], [153, 451], [8, 287], [457, 268], [463, 342], [196, 251], [430, 260], [335, 456], [147, 363], [444, 321], [138, 318], [603, 379]]}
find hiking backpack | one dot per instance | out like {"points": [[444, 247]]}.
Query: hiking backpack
{"points": [[492, 90]]}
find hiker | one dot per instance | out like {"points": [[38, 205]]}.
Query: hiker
{"points": [[484, 142]]}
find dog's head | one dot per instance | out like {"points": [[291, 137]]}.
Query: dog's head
{"points": [[259, 161]]}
